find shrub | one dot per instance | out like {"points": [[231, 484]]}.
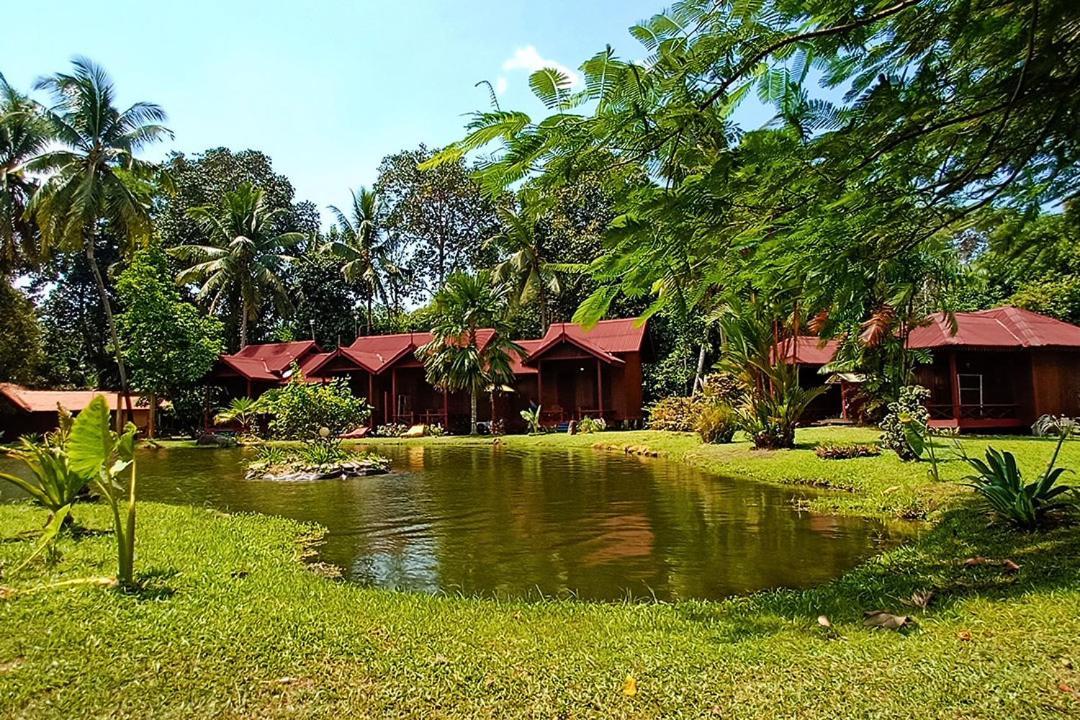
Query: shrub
{"points": [[832, 451], [676, 413], [716, 423], [999, 481], [906, 427], [435, 430], [589, 425], [301, 409], [322, 452], [392, 430]]}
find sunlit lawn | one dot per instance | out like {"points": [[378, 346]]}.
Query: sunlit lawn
{"points": [[231, 624]]}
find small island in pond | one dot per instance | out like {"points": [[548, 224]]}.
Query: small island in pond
{"points": [[316, 461]]}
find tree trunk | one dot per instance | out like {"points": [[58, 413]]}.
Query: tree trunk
{"points": [[699, 376], [111, 323], [369, 312], [472, 411], [541, 297], [243, 324], [151, 423]]}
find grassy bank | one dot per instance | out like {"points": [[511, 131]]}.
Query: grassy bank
{"points": [[230, 622]]}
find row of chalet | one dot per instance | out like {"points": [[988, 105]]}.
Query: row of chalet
{"points": [[34, 412], [571, 373], [997, 369]]}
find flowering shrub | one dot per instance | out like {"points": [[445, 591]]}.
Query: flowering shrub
{"points": [[679, 413], [301, 409], [906, 427]]}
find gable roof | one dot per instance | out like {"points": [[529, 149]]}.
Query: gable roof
{"points": [[603, 341], [38, 401], [268, 361], [377, 353], [1004, 327]]}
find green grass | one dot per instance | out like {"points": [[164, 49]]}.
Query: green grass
{"points": [[231, 624]]}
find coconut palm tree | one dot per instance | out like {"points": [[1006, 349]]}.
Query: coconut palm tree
{"points": [[455, 359], [24, 134], [530, 276], [93, 177], [359, 244], [246, 257]]}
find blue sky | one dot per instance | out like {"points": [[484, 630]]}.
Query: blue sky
{"points": [[325, 88]]}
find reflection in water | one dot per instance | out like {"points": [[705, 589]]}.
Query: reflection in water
{"points": [[489, 520]]}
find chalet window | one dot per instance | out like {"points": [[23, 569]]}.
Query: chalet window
{"points": [[971, 388]]}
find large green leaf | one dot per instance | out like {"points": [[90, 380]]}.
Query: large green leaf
{"points": [[91, 441]]}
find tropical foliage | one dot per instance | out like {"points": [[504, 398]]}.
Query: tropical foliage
{"points": [[906, 428], [457, 358], [301, 410], [244, 411], [362, 248], [999, 482], [246, 258]]}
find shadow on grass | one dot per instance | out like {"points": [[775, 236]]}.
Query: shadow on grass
{"points": [[962, 557], [153, 584]]}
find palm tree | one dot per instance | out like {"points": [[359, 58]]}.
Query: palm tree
{"points": [[246, 257], [94, 176], [530, 275], [24, 134], [358, 243], [454, 359], [242, 410]]}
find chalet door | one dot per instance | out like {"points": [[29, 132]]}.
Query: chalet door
{"points": [[567, 391]]}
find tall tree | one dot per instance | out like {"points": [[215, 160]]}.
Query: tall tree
{"points": [[94, 176], [24, 134], [168, 343], [245, 259], [440, 216], [21, 352], [455, 359], [531, 274], [362, 247], [894, 122]]}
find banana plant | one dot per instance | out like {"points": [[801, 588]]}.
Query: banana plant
{"points": [[53, 483], [532, 419], [107, 458]]}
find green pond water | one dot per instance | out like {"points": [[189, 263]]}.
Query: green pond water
{"points": [[497, 522]]}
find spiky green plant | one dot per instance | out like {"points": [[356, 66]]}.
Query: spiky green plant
{"points": [[999, 481], [53, 483], [242, 410], [532, 419]]}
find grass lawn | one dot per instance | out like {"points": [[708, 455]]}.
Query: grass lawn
{"points": [[230, 623]]}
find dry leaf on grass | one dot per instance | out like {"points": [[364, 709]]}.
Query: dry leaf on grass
{"points": [[881, 620], [629, 687]]}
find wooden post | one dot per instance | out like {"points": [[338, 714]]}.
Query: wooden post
{"points": [[446, 408], [540, 383], [206, 409], [954, 386], [248, 387], [393, 393], [371, 398], [599, 387], [151, 423]]}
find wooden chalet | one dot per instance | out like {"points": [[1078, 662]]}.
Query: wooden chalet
{"points": [[997, 369], [570, 372], [34, 412]]}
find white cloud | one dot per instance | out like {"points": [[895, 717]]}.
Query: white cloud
{"points": [[529, 59]]}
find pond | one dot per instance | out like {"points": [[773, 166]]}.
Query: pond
{"points": [[493, 521]]}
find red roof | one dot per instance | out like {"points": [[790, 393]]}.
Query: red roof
{"points": [[603, 341], [1005, 327], [517, 364], [808, 350], [376, 353], [37, 401], [267, 362]]}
